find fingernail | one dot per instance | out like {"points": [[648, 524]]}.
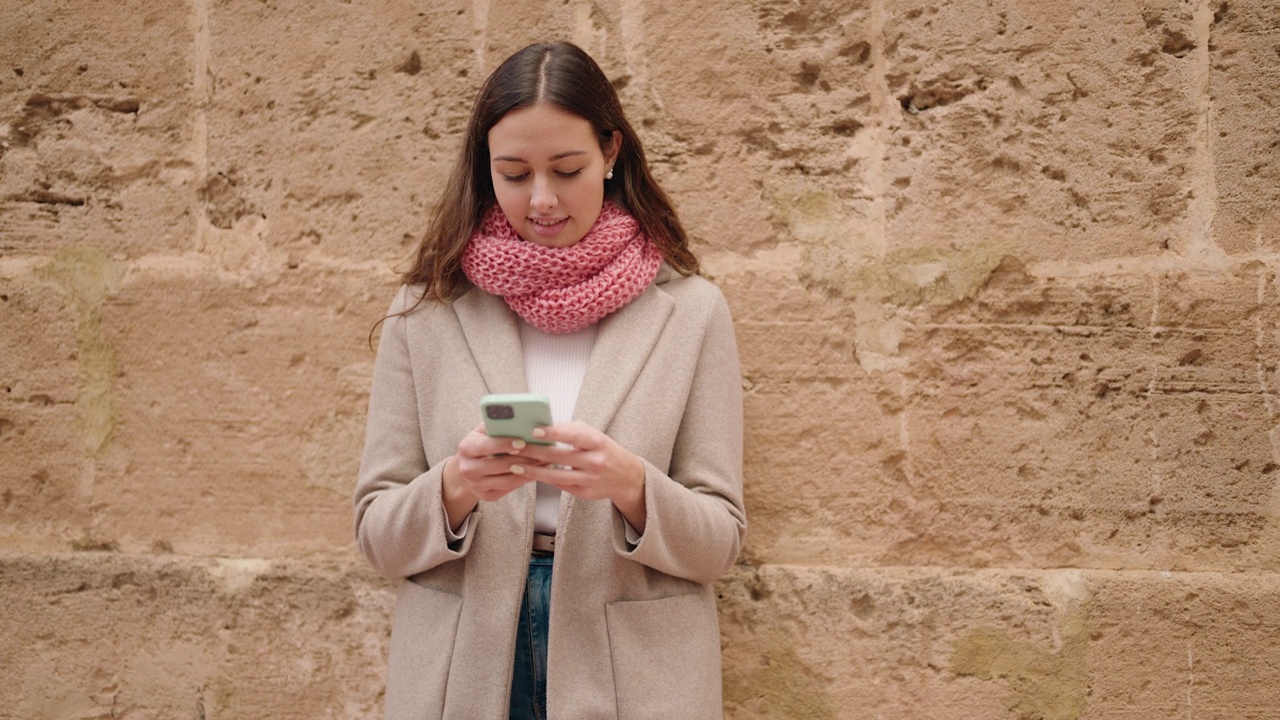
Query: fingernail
{"points": [[539, 432], [517, 469], [517, 444]]}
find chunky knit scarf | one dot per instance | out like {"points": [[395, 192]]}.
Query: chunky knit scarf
{"points": [[560, 290]]}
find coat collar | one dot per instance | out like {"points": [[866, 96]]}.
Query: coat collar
{"points": [[624, 341], [493, 336]]}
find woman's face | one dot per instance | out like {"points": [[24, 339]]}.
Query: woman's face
{"points": [[548, 173]]}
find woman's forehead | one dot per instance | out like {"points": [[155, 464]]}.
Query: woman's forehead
{"points": [[541, 132]]}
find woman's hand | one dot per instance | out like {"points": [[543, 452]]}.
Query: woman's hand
{"points": [[592, 467], [484, 468]]}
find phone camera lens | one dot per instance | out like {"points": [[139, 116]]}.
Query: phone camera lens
{"points": [[500, 412]]}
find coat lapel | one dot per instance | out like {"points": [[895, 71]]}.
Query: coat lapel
{"points": [[623, 345], [624, 342], [494, 339]]}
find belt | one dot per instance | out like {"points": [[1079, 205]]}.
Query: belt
{"points": [[544, 545]]}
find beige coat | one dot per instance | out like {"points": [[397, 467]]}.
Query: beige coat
{"points": [[633, 630]]}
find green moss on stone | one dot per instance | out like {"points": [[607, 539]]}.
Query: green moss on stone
{"points": [[1045, 685], [87, 277], [784, 688]]}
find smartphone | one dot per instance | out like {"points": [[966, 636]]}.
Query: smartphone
{"points": [[515, 415]]}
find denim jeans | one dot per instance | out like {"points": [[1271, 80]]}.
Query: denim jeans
{"points": [[529, 681]]}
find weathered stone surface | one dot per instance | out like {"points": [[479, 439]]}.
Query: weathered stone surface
{"points": [[339, 126], [1099, 443], [235, 424], [1039, 130], [93, 633], [1124, 423], [1003, 275], [762, 117], [184, 408], [96, 132], [52, 370], [243, 413], [102, 635], [803, 642], [1244, 41]]}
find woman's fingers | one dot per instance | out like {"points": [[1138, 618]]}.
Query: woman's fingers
{"points": [[576, 434], [479, 445], [585, 462], [490, 467]]}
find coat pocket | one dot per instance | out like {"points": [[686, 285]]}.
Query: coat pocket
{"points": [[666, 657], [423, 629]]}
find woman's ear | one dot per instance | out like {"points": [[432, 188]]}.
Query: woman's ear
{"points": [[615, 147]]}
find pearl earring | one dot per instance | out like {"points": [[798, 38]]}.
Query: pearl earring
{"points": [[609, 175]]}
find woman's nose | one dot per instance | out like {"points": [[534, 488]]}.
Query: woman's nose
{"points": [[544, 196]]}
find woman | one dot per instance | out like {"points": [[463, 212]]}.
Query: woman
{"points": [[571, 580]]}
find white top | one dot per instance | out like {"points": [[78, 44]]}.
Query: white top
{"points": [[554, 365]]}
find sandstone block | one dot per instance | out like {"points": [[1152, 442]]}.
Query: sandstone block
{"points": [[805, 642], [187, 411], [1041, 130], [1117, 446], [241, 411], [97, 634], [762, 118], [335, 127], [96, 127], [55, 374], [1243, 43], [1117, 423]]}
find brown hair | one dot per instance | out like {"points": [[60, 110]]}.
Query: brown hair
{"points": [[563, 75]]}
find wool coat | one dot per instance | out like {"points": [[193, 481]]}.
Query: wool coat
{"points": [[633, 628]]}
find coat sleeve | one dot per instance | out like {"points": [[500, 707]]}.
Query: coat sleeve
{"points": [[696, 522], [399, 516]]}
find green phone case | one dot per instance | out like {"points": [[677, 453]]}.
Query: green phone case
{"points": [[515, 415]]}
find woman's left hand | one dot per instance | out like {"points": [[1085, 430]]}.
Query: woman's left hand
{"points": [[592, 467]]}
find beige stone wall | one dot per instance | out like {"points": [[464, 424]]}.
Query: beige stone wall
{"points": [[1003, 272]]}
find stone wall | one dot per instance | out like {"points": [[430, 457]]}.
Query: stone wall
{"points": [[1003, 273]]}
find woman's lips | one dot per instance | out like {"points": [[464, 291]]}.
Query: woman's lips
{"points": [[547, 226]]}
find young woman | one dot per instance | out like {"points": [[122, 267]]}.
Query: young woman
{"points": [[571, 580]]}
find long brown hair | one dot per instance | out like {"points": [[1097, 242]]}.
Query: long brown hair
{"points": [[563, 75]]}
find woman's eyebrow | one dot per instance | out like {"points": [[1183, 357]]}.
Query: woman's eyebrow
{"points": [[557, 156]]}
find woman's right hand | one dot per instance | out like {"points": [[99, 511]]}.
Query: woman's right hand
{"points": [[481, 470]]}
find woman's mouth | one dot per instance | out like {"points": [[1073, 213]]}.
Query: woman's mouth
{"points": [[547, 226]]}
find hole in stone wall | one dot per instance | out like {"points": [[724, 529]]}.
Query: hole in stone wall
{"points": [[411, 66], [1177, 44], [809, 74], [859, 52], [846, 127]]}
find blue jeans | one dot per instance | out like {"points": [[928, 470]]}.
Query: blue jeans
{"points": [[529, 681]]}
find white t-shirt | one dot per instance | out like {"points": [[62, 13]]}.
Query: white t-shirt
{"points": [[554, 365]]}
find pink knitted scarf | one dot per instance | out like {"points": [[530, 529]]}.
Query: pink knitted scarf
{"points": [[560, 290]]}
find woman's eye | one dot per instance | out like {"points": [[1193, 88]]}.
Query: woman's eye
{"points": [[524, 176]]}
